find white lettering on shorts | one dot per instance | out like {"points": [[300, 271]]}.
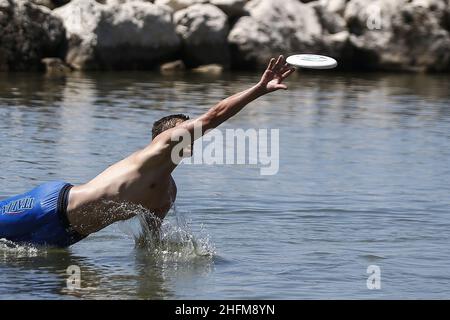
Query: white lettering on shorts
{"points": [[18, 206]]}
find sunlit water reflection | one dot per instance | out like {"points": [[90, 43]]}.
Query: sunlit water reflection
{"points": [[363, 180]]}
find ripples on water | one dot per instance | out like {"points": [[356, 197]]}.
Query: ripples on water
{"points": [[364, 179], [174, 250]]}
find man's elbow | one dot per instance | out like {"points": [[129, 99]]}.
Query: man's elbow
{"points": [[154, 152]]}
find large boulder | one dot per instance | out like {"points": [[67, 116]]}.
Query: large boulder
{"points": [[273, 28], [203, 29], [399, 34], [114, 35], [28, 33]]}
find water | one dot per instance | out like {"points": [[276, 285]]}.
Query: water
{"points": [[363, 180]]}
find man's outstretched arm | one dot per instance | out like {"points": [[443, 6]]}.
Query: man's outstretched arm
{"points": [[272, 80]]}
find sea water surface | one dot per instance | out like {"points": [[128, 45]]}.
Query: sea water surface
{"points": [[363, 181]]}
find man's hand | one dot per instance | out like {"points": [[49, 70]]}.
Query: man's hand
{"points": [[274, 75]]}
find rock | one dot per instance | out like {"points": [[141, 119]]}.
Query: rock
{"points": [[29, 32], [361, 17], [55, 67], [273, 28], [59, 3], [399, 35], [434, 5], [172, 67], [116, 2], [46, 3], [51, 4], [203, 29], [232, 8], [212, 69], [332, 22], [180, 4], [135, 34], [336, 45], [81, 18], [333, 6]]}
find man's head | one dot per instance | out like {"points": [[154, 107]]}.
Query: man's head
{"points": [[167, 122]]}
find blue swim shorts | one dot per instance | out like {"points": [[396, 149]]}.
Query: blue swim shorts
{"points": [[39, 216]]}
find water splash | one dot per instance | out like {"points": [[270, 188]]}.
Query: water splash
{"points": [[10, 249], [170, 239]]}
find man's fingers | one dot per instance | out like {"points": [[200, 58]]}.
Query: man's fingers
{"points": [[279, 63], [280, 60], [271, 64], [285, 68], [287, 73]]}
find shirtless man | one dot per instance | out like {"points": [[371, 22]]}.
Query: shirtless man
{"points": [[59, 214]]}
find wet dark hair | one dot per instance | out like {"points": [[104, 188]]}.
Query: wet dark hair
{"points": [[167, 122]]}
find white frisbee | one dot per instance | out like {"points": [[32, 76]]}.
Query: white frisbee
{"points": [[311, 61]]}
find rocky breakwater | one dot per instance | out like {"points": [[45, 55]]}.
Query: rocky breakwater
{"points": [[411, 35]]}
